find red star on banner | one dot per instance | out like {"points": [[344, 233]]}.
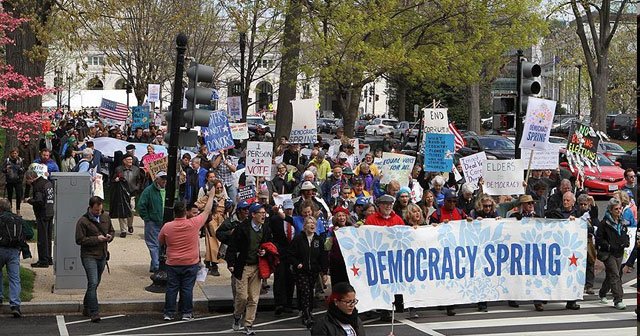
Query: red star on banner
{"points": [[355, 270], [574, 260]]}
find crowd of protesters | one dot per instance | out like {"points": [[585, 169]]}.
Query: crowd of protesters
{"points": [[294, 240]]}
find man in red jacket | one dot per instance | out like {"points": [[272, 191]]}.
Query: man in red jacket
{"points": [[385, 215]]}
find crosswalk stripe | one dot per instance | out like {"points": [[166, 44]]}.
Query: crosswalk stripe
{"points": [[582, 332]]}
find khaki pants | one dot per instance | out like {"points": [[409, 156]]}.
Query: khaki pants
{"points": [[125, 223], [247, 294]]}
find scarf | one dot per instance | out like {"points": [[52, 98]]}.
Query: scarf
{"points": [[339, 315]]}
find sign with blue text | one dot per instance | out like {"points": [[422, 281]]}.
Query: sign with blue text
{"points": [[537, 123], [259, 156], [465, 262], [304, 127], [140, 117], [218, 135], [396, 167], [503, 177], [438, 152]]}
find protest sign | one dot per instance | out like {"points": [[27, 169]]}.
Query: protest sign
{"points": [[435, 120], [239, 131], [218, 135], [140, 117], [279, 200], [97, 188], [151, 157], [472, 167], [549, 158], [259, 156], [466, 262], [247, 193], [503, 177], [537, 123], [396, 167], [416, 193], [40, 169], [234, 107], [583, 142], [456, 174], [304, 128], [153, 93], [158, 165], [438, 152]]}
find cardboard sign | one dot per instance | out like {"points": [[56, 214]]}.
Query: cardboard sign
{"points": [[258, 158], [234, 107], [218, 135], [246, 193], [472, 167], [543, 159], [151, 157], [583, 143], [396, 167], [140, 117], [239, 131], [158, 165], [40, 169], [503, 177], [438, 152], [537, 123], [153, 93], [304, 129], [435, 120]]}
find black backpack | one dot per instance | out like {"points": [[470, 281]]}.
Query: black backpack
{"points": [[11, 234], [77, 166]]}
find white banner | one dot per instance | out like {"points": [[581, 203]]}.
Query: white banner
{"points": [[466, 262], [472, 167], [239, 131], [234, 107], [396, 167], [435, 120], [279, 200], [304, 128], [259, 156], [503, 177], [537, 123], [153, 93], [542, 159]]}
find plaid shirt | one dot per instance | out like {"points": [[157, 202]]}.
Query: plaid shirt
{"points": [[224, 174]]}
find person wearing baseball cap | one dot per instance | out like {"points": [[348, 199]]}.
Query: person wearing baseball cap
{"points": [[150, 206], [242, 260], [131, 150], [284, 231], [384, 216]]}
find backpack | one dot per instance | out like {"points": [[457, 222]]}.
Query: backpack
{"points": [[77, 166], [11, 234]]}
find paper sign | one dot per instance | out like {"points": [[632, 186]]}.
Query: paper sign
{"points": [[239, 131], [416, 192], [258, 158], [582, 143], [503, 177], [279, 200], [153, 93], [40, 169], [543, 159], [218, 135], [151, 157], [97, 188], [456, 173], [438, 152], [234, 107], [472, 167], [537, 123], [304, 127], [396, 167], [140, 117], [158, 165], [435, 120], [246, 193]]}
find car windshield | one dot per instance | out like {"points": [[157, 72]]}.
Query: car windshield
{"points": [[496, 143], [604, 161], [391, 123], [254, 121], [610, 146], [557, 140]]}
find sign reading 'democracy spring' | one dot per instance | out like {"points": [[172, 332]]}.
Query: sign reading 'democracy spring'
{"points": [[304, 125], [465, 262], [472, 167], [537, 123], [503, 177], [396, 167]]}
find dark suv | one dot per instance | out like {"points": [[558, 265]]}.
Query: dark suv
{"points": [[621, 126]]}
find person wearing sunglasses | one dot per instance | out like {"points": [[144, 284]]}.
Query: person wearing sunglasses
{"points": [[611, 241], [342, 316]]}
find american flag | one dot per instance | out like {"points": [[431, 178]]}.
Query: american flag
{"points": [[113, 110], [458, 140]]}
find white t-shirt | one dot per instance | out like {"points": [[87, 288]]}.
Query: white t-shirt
{"points": [[348, 329]]}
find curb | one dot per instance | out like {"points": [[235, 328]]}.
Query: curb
{"points": [[73, 307]]}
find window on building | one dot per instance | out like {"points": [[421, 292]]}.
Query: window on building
{"points": [[96, 60]]}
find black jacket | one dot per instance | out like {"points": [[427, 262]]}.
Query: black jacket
{"points": [[314, 258], [225, 231], [239, 247], [87, 232], [329, 326], [281, 186], [560, 213], [277, 230], [43, 198], [611, 237]]}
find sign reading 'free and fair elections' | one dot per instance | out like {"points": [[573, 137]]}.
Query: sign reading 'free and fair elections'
{"points": [[465, 262]]}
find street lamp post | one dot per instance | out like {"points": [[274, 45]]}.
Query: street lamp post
{"points": [[579, 66], [69, 79], [57, 83], [559, 91], [243, 44]]}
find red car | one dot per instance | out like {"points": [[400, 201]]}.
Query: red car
{"points": [[605, 183]]}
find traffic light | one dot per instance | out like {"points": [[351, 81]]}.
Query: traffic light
{"points": [[197, 95], [128, 88], [528, 82]]}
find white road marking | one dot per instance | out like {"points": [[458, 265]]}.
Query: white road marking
{"points": [[421, 327], [582, 332], [631, 283], [163, 324], [62, 327], [89, 320]]}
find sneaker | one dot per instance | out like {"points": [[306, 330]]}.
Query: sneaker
{"points": [[513, 304], [236, 324], [188, 317], [572, 306], [248, 330], [620, 305], [16, 312], [451, 312], [131, 229], [40, 265], [539, 307], [214, 272], [482, 307], [167, 317], [123, 235], [589, 290], [604, 300], [95, 318]]}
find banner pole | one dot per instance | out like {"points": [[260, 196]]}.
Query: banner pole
{"points": [[526, 181]]}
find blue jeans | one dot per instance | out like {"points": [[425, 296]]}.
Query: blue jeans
{"points": [[180, 279], [232, 193], [11, 257], [93, 268], [151, 233]]}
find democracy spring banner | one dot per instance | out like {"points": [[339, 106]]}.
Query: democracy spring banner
{"points": [[466, 262]]}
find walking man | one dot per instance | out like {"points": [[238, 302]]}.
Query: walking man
{"points": [[43, 205], [93, 232]]}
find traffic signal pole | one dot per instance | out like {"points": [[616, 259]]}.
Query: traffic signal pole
{"points": [[518, 106]]}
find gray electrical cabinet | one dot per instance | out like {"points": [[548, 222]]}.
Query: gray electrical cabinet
{"points": [[72, 193]]}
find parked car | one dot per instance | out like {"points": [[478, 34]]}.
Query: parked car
{"points": [[560, 141], [359, 127], [334, 126], [563, 126], [603, 183], [610, 149], [380, 126], [487, 123], [621, 126], [629, 159], [401, 131], [324, 124], [258, 126], [495, 146], [411, 134]]}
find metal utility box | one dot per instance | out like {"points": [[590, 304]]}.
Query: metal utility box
{"points": [[72, 193]]}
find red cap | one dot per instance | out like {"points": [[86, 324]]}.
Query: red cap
{"points": [[340, 209]]}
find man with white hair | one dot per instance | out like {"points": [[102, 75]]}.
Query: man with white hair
{"points": [[86, 163], [306, 176]]}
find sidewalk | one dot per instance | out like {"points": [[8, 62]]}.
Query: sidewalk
{"points": [[122, 290]]}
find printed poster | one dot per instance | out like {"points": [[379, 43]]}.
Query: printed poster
{"points": [[304, 128], [218, 135], [438, 152], [503, 177], [537, 123]]}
